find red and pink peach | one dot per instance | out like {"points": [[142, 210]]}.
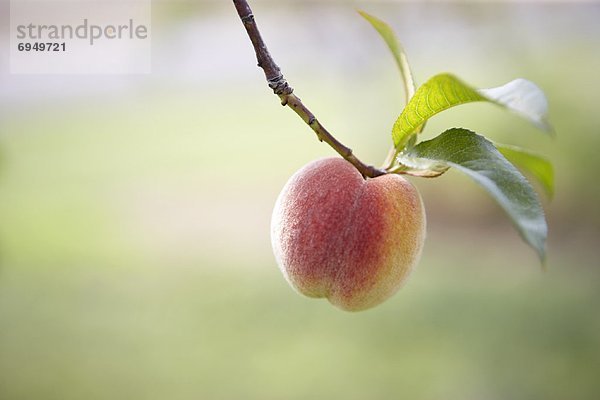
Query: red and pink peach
{"points": [[350, 240]]}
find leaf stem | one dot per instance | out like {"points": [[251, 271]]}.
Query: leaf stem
{"points": [[285, 92]]}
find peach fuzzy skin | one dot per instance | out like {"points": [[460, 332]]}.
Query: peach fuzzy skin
{"points": [[351, 240]]}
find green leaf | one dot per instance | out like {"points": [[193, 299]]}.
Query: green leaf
{"points": [[445, 91], [395, 47], [477, 157], [535, 165]]}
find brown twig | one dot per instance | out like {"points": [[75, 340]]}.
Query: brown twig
{"points": [[285, 92]]}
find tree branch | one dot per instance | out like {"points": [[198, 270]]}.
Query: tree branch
{"points": [[285, 92]]}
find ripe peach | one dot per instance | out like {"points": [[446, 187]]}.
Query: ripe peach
{"points": [[351, 240]]}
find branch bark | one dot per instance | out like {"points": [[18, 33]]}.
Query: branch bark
{"points": [[285, 92]]}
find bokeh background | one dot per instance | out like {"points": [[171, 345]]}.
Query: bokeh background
{"points": [[135, 258]]}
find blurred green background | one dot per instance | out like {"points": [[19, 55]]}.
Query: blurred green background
{"points": [[135, 258]]}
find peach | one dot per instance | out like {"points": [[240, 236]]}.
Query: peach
{"points": [[351, 240]]}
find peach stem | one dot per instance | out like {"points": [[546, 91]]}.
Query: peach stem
{"points": [[285, 92]]}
